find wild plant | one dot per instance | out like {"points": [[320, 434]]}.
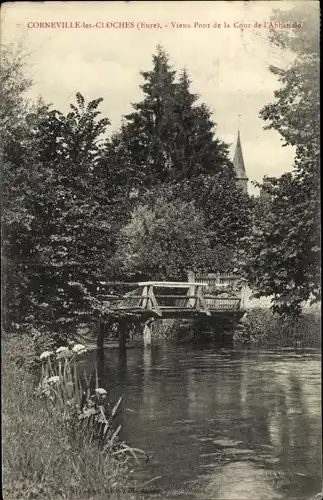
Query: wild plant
{"points": [[85, 412]]}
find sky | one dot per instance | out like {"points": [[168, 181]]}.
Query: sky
{"points": [[228, 66]]}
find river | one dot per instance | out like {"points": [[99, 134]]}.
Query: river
{"points": [[220, 423]]}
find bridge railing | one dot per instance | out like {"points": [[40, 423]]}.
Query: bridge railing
{"points": [[218, 280], [226, 286], [170, 296], [223, 303]]}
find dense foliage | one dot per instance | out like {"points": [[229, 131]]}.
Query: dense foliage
{"points": [[284, 247], [164, 241], [154, 200], [55, 228]]}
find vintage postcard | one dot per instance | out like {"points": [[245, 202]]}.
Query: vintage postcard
{"points": [[161, 250]]}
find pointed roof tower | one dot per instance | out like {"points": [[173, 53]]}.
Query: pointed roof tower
{"points": [[238, 161], [239, 166]]}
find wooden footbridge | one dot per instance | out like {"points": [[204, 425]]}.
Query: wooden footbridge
{"points": [[150, 300]]}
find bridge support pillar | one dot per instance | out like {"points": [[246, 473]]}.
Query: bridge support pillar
{"points": [[100, 337], [122, 334], [147, 332]]}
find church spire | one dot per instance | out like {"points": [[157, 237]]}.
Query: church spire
{"points": [[239, 166]]}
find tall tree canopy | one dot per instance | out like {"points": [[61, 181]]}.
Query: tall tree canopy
{"points": [[170, 136], [169, 140], [284, 248]]}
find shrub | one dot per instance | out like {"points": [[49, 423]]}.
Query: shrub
{"points": [[262, 327], [25, 348]]}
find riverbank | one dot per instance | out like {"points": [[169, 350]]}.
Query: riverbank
{"points": [[41, 458], [264, 329], [258, 327]]}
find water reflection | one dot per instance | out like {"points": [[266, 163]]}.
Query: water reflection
{"points": [[236, 479], [230, 423]]}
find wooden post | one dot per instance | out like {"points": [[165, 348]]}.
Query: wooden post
{"points": [[100, 366], [191, 302], [144, 300], [192, 290], [122, 359], [203, 304], [153, 301], [149, 303], [190, 277], [147, 332], [100, 338], [100, 349], [243, 297], [122, 334]]}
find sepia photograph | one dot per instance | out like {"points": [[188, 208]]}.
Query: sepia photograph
{"points": [[160, 250]]}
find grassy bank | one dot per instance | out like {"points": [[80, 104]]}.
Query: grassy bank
{"points": [[265, 329], [42, 456]]}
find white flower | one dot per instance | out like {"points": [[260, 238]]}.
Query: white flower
{"points": [[101, 391], [79, 349], [61, 349], [63, 352], [45, 354], [53, 380]]}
